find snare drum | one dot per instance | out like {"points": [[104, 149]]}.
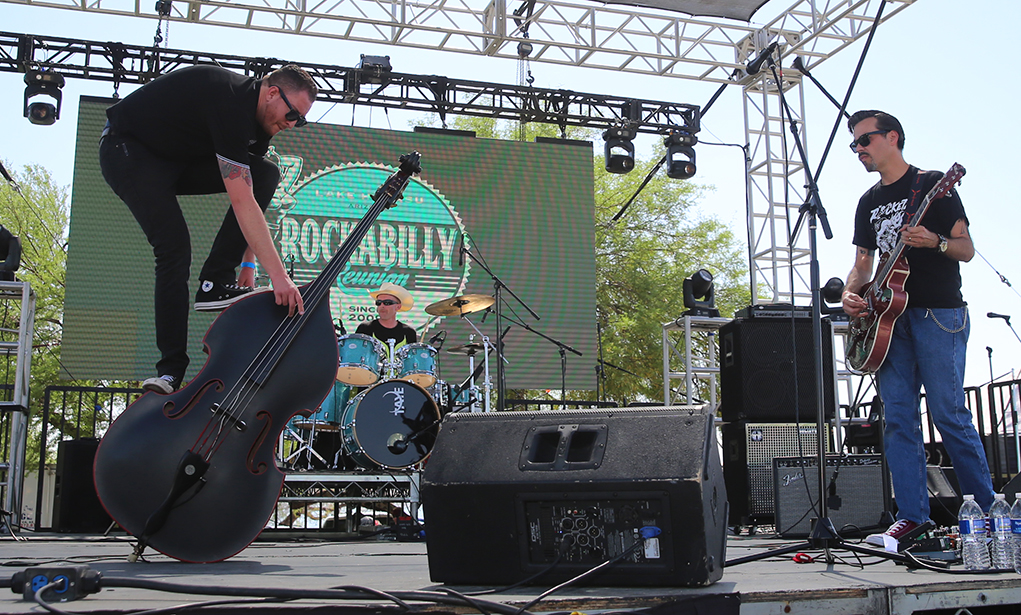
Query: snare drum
{"points": [[392, 425], [418, 364], [361, 359]]}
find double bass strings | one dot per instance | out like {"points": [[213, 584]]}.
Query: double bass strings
{"points": [[244, 390]]}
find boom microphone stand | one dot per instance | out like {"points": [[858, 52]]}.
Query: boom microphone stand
{"points": [[498, 287], [824, 535]]}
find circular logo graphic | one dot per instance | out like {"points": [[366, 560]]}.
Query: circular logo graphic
{"points": [[413, 244]]}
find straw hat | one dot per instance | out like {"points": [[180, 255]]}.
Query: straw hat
{"points": [[388, 288]]}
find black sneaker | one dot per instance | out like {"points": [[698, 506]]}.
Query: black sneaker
{"points": [[213, 297], [165, 384]]}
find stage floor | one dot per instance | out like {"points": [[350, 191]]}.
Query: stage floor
{"points": [[773, 585]]}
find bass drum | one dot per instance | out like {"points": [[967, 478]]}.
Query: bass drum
{"points": [[392, 425]]}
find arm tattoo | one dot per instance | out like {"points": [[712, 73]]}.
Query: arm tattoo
{"points": [[230, 170]]}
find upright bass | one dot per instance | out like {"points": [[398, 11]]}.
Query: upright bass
{"points": [[193, 473], [870, 333]]}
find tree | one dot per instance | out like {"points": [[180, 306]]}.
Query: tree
{"points": [[641, 261], [35, 209]]}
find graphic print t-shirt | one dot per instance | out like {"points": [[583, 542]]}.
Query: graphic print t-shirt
{"points": [[935, 280]]}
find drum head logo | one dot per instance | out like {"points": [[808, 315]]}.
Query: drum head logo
{"points": [[413, 244]]}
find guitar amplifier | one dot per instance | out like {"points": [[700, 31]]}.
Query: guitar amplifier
{"points": [[748, 453], [855, 499]]}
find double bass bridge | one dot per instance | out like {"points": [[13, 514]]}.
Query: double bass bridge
{"points": [[224, 415]]}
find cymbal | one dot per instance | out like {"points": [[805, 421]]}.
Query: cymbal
{"points": [[468, 349], [465, 304]]}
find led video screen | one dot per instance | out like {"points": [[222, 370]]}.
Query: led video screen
{"points": [[524, 210]]}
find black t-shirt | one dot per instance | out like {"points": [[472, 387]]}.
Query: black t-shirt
{"points": [[401, 334], [935, 280], [195, 113]]}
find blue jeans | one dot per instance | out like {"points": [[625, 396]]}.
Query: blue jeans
{"points": [[923, 353]]}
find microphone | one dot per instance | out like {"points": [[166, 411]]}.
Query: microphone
{"points": [[995, 315], [339, 327], [441, 336], [460, 253], [484, 315], [755, 66]]}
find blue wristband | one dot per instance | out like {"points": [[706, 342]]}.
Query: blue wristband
{"points": [[247, 265]]}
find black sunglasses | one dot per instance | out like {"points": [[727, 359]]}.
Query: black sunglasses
{"points": [[387, 302], [866, 139], [292, 115]]}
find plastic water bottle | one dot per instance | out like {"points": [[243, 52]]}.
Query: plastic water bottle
{"points": [[1015, 522], [972, 522], [1001, 552]]}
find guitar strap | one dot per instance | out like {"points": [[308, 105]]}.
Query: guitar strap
{"points": [[914, 198]]}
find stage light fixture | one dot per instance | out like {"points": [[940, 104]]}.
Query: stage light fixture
{"points": [[699, 285], [833, 292], [43, 83], [680, 154], [375, 69], [10, 252], [619, 150]]}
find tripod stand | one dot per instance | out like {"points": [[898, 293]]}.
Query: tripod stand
{"points": [[823, 535]]}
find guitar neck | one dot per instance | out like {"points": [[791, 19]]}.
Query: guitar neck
{"points": [[898, 249]]}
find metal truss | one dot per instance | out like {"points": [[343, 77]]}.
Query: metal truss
{"points": [[122, 63], [569, 33], [583, 34]]}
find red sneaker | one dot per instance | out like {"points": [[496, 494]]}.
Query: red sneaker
{"points": [[896, 531]]}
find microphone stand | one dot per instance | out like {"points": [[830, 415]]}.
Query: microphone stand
{"points": [[1006, 319], [823, 535], [498, 287], [563, 355]]}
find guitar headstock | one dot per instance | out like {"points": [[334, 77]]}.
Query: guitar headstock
{"points": [[945, 185]]}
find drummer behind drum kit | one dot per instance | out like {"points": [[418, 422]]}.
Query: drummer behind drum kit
{"points": [[393, 423]]}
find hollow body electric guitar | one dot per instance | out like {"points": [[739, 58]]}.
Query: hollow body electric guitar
{"points": [[193, 473], [870, 333]]}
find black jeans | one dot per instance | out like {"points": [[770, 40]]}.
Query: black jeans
{"points": [[149, 186]]}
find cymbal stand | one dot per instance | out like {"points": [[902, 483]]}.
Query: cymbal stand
{"points": [[562, 347], [486, 383], [498, 287], [473, 389]]}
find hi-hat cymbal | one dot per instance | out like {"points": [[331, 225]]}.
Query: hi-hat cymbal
{"points": [[465, 304], [468, 349]]}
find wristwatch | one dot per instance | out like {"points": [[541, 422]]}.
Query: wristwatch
{"points": [[942, 247]]}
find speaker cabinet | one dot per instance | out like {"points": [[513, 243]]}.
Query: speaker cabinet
{"points": [[766, 377], [76, 506], [855, 498], [748, 451], [508, 494], [944, 504]]}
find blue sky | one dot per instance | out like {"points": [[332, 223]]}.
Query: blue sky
{"points": [[946, 72]]}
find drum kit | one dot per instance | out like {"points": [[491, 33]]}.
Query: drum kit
{"points": [[385, 407]]}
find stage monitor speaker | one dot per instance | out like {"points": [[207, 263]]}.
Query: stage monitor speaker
{"points": [[1012, 488], [855, 500], [944, 504], [509, 494], [748, 453], [764, 377], [76, 506]]}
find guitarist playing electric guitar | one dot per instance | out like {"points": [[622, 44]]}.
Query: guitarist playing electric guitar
{"points": [[927, 344]]}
